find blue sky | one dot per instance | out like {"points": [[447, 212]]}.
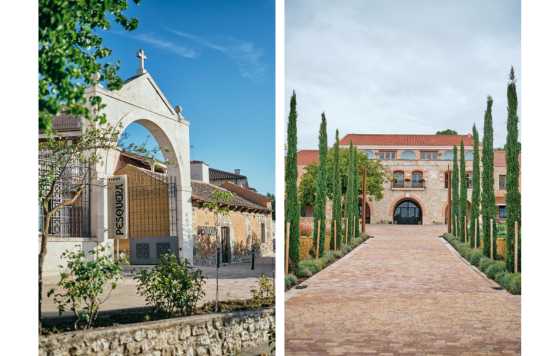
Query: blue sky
{"points": [[216, 60]]}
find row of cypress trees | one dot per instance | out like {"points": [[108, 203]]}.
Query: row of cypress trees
{"points": [[483, 197], [351, 200]]}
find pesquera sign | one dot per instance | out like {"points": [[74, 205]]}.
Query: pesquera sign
{"points": [[118, 207]]}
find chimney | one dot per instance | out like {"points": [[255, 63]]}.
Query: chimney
{"points": [[237, 171], [200, 171]]}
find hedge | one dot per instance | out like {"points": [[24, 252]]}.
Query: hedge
{"points": [[309, 267], [493, 269]]}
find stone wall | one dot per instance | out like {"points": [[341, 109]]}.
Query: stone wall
{"points": [[213, 334]]}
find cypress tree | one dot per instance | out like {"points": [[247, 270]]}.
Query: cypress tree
{"points": [[475, 197], [357, 179], [292, 204], [488, 197], [455, 194], [513, 197], [337, 195], [349, 211], [462, 193], [321, 187]]}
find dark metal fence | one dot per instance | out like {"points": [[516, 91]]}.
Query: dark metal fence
{"points": [[73, 220]]}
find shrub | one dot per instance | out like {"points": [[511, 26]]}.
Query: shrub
{"points": [[173, 286], [475, 257], [81, 286], [309, 265], [263, 295], [495, 268], [514, 285], [484, 263], [289, 280], [304, 273]]}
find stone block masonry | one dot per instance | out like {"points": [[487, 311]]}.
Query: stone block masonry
{"points": [[213, 334]]}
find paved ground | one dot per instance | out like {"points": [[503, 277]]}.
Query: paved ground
{"points": [[402, 293], [236, 282]]}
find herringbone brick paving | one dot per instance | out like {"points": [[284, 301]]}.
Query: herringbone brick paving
{"points": [[403, 292]]}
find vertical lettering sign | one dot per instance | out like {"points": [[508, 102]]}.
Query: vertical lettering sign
{"points": [[118, 207]]}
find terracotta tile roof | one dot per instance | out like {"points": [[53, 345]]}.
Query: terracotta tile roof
{"points": [[307, 157], [406, 140], [202, 192], [247, 194]]}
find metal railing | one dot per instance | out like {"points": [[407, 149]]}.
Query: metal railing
{"points": [[409, 184]]}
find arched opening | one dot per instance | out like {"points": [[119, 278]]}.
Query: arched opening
{"points": [[368, 211], [407, 212], [148, 161]]}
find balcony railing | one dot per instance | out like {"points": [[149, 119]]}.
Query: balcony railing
{"points": [[408, 185]]}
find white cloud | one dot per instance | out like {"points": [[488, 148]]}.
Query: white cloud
{"points": [[161, 43], [246, 55], [400, 66]]}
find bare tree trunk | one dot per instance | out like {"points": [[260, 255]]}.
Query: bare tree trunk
{"points": [[42, 254]]}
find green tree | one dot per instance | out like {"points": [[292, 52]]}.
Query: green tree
{"points": [[321, 188], [57, 160], [374, 181], [349, 194], [488, 197], [513, 197], [475, 197], [337, 194], [446, 132], [272, 198], [455, 194], [462, 193], [72, 56], [357, 179], [219, 205], [292, 204]]}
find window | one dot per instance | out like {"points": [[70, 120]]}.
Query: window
{"points": [[387, 155], [429, 155], [446, 180], [417, 179], [369, 153], [502, 212], [408, 155], [469, 180], [447, 155], [398, 179], [263, 233], [502, 181]]}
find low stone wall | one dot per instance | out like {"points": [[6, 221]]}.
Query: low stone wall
{"points": [[213, 334]]}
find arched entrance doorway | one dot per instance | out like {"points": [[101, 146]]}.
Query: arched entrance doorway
{"points": [[368, 211], [407, 212]]}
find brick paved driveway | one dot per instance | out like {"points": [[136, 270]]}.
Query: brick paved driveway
{"points": [[402, 293]]}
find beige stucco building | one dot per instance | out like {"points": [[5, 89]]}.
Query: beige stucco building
{"points": [[416, 191]]}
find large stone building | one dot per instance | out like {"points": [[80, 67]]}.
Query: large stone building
{"points": [[416, 189]]}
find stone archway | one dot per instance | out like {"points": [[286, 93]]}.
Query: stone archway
{"points": [[141, 101], [407, 211]]}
